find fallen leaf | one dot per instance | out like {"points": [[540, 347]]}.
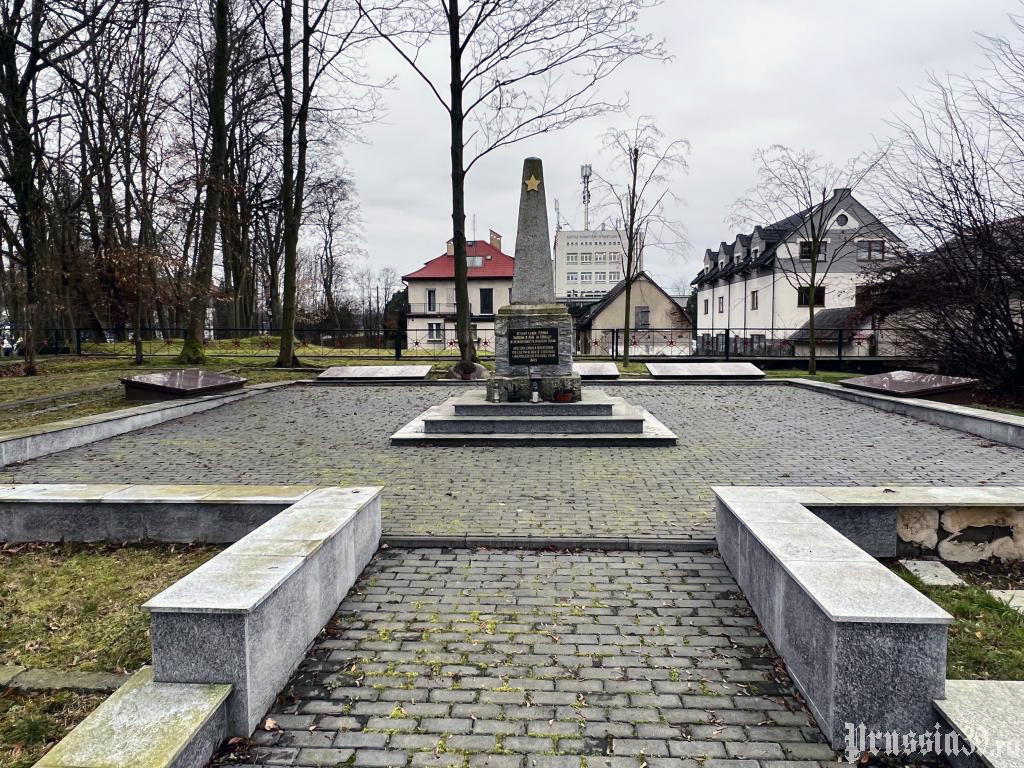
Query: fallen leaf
{"points": [[270, 724]]}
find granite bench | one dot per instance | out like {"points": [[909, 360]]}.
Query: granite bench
{"points": [[247, 616], [862, 645]]}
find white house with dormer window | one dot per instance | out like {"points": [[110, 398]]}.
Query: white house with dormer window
{"points": [[756, 287]]}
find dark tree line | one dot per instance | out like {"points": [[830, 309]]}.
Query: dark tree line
{"points": [[953, 180], [160, 162]]}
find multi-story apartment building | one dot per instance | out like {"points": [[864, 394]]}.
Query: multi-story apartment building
{"points": [[756, 287], [588, 263], [431, 319]]}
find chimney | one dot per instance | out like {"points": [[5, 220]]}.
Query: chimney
{"points": [[451, 247], [495, 240]]}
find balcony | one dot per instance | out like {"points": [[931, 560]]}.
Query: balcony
{"points": [[437, 308]]}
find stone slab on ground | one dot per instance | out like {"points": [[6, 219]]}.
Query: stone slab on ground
{"points": [[595, 402], [64, 680], [932, 573], [593, 370], [368, 372], [705, 371], [988, 713], [509, 659], [1012, 597], [8, 673], [727, 434], [146, 724]]}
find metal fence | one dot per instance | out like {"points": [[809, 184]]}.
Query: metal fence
{"points": [[441, 343]]}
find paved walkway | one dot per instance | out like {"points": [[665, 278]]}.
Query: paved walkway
{"points": [[739, 435], [540, 660]]}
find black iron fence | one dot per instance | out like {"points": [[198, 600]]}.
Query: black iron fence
{"points": [[438, 341]]}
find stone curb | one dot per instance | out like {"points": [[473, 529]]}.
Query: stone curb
{"points": [[39, 679], [991, 425], [23, 444], [468, 541]]}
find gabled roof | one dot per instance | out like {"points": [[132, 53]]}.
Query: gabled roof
{"points": [[595, 309], [498, 266]]}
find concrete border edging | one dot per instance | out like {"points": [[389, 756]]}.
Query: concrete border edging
{"points": [[247, 616], [861, 644], [228, 635], [19, 445], [998, 427]]}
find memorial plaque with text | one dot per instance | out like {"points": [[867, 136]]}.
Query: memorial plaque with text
{"points": [[533, 346]]}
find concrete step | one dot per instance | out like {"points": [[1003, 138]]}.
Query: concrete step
{"points": [[987, 714], [534, 425], [156, 725], [547, 410]]}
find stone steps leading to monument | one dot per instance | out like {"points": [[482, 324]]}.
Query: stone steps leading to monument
{"points": [[539, 425], [626, 425], [592, 404]]}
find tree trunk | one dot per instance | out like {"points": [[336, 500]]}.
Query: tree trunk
{"points": [[463, 316], [202, 280], [812, 359], [625, 324], [286, 352]]}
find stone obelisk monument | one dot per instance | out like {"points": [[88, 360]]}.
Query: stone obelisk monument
{"points": [[533, 335]]}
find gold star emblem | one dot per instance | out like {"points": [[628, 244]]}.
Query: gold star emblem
{"points": [[532, 183]]}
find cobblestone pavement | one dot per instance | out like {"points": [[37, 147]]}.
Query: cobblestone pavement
{"points": [[728, 435], [522, 659]]}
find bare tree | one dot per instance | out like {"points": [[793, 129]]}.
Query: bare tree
{"points": [[637, 188], [37, 40], [802, 195], [952, 180], [333, 214], [516, 69], [325, 42]]}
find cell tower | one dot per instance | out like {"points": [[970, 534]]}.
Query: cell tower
{"points": [[585, 175], [558, 217]]}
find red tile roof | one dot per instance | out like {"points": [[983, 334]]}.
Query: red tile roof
{"points": [[499, 265]]}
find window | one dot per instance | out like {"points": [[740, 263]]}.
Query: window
{"points": [[706, 302], [615, 276], [474, 261], [486, 301], [599, 258], [585, 277], [755, 252], [571, 277], [803, 293], [600, 277], [721, 264], [571, 258], [842, 220], [435, 331], [586, 258], [431, 300], [757, 343], [806, 246], [721, 304], [753, 299], [641, 317], [870, 249]]}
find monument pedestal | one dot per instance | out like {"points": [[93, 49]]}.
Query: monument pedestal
{"points": [[533, 348]]}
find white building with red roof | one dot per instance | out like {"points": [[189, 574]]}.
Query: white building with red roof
{"points": [[432, 295]]}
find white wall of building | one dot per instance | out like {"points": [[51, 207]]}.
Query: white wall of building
{"points": [[435, 329], [588, 263]]}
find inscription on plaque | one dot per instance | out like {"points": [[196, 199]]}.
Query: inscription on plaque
{"points": [[533, 346]]}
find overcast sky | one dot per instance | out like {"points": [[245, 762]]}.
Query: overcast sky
{"points": [[745, 74]]}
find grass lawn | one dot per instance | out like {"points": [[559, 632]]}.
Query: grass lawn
{"points": [[801, 373], [31, 724], [986, 638], [77, 606]]}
